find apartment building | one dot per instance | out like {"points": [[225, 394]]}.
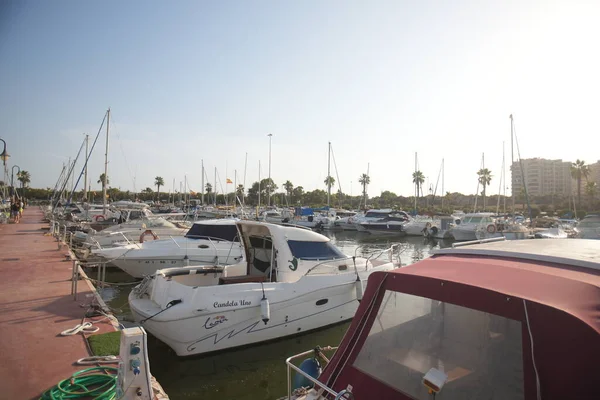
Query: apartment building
{"points": [[543, 177], [594, 173]]}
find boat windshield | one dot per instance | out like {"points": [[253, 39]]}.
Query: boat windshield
{"points": [[314, 250], [481, 353], [225, 232], [159, 223], [376, 214]]}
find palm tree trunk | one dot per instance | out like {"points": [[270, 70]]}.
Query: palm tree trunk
{"points": [[579, 192]]}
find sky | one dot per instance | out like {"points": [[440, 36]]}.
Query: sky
{"points": [[193, 81]]}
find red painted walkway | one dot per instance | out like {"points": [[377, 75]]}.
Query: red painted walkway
{"points": [[35, 306]]}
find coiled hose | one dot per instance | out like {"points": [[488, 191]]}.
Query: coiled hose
{"points": [[96, 383]]}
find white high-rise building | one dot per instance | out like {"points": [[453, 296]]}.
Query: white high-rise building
{"points": [[542, 177]]}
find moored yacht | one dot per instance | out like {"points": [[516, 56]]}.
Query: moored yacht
{"points": [[130, 231], [207, 242], [470, 223], [391, 224], [292, 280]]}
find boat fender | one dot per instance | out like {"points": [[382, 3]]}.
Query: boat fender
{"points": [[358, 284], [265, 311], [99, 218], [491, 228], [311, 367]]}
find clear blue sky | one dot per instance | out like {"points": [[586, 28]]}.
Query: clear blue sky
{"points": [[381, 80]]}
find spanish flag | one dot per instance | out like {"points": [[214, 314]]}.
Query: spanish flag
{"points": [[229, 180]]}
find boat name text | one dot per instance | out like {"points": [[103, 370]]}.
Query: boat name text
{"points": [[232, 303]]}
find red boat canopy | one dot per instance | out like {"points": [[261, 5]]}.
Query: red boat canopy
{"points": [[487, 322]]}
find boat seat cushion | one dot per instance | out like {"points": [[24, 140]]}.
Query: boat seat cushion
{"points": [[242, 279]]}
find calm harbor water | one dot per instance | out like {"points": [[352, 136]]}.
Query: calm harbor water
{"points": [[256, 372]]}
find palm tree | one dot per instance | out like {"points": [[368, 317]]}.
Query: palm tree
{"points": [[418, 180], [24, 177], [485, 177], [579, 171], [289, 189], [364, 180], [591, 188], [158, 182], [104, 181], [208, 188], [240, 191], [329, 182]]}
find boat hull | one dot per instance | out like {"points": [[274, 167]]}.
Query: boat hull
{"points": [[464, 234], [243, 326]]}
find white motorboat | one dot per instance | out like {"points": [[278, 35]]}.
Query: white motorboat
{"points": [[207, 242], [589, 227], [391, 225], [275, 216], [130, 231], [552, 233], [292, 280], [467, 229], [440, 227], [341, 221], [383, 221], [418, 225]]}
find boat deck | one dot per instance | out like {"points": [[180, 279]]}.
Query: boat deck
{"points": [[35, 306]]}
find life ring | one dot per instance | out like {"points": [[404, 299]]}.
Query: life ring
{"points": [[99, 218], [491, 228], [148, 232]]}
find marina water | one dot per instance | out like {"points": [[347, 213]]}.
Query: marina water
{"points": [[257, 371]]}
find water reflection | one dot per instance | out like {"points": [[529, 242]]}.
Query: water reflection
{"points": [[258, 371]]}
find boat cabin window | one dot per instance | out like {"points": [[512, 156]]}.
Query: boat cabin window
{"points": [[481, 353], [314, 250], [223, 232], [375, 214]]}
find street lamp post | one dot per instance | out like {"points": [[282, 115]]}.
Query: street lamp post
{"points": [[270, 135], [12, 176], [4, 156]]}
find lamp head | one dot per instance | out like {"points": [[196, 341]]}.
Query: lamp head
{"points": [[4, 156]]}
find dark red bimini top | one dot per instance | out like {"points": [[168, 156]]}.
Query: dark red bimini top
{"points": [[563, 309]]}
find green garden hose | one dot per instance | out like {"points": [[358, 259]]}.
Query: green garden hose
{"points": [[93, 383]]}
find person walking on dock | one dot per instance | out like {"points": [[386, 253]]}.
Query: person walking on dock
{"points": [[14, 210]]}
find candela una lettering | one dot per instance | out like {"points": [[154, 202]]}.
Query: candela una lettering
{"points": [[232, 303]]}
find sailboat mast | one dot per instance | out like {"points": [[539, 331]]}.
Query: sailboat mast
{"points": [[443, 193], [105, 183], [244, 183], [258, 207], [202, 187], [416, 185], [85, 177], [368, 168], [504, 177], [215, 188], [328, 173], [512, 164]]}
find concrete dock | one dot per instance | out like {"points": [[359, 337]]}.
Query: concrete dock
{"points": [[36, 305]]}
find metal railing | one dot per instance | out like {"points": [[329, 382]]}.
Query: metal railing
{"points": [[324, 387], [374, 255]]}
